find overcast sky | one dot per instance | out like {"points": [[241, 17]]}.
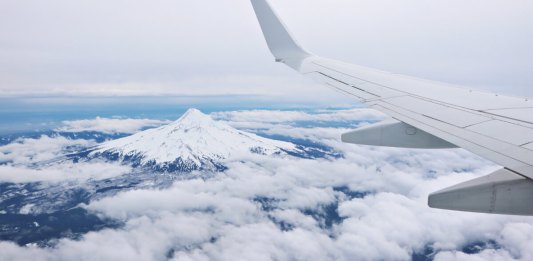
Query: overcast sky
{"points": [[161, 47]]}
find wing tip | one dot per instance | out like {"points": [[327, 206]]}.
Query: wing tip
{"points": [[280, 42]]}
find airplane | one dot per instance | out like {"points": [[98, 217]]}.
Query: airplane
{"points": [[429, 115]]}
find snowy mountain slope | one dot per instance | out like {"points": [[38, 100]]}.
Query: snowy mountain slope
{"points": [[193, 142]]}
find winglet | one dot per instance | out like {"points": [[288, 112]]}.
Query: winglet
{"points": [[280, 42]]}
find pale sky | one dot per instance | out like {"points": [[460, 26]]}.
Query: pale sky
{"points": [[163, 47]]}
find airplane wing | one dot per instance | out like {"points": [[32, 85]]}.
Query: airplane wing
{"points": [[429, 115]]}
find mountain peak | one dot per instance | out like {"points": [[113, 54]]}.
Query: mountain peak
{"points": [[194, 116], [195, 141], [193, 113]]}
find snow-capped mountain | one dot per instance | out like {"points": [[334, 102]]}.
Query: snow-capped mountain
{"points": [[193, 142]]}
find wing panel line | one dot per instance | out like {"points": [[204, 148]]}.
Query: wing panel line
{"points": [[454, 139]]}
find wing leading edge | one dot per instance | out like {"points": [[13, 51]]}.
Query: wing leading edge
{"points": [[429, 115]]}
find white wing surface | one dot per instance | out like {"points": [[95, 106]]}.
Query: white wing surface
{"points": [[429, 115]]}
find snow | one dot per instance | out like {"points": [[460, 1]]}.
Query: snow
{"points": [[195, 138]]}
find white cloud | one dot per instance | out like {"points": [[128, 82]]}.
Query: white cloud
{"points": [[285, 123], [110, 126], [26, 209], [272, 116], [216, 218], [25, 151], [62, 172], [222, 218], [489, 254], [44, 150], [515, 239]]}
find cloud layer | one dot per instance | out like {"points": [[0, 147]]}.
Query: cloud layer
{"points": [[24, 152], [203, 47], [369, 205], [110, 126]]}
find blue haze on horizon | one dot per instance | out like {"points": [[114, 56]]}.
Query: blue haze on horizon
{"points": [[33, 114]]}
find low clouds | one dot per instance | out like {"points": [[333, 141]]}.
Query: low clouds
{"points": [[62, 172], [110, 126], [20, 154], [294, 123], [217, 218], [26, 151], [368, 205], [516, 241], [271, 116]]}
